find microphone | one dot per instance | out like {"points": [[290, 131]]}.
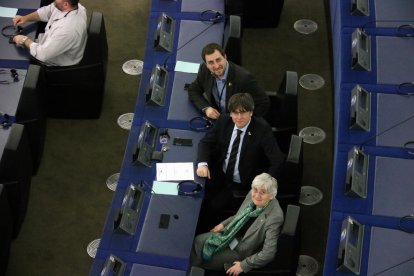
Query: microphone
{"points": [[216, 19]]}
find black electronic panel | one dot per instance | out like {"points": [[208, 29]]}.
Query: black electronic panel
{"points": [[113, 266], [360, 7], [145, 148], [157, 86], [360, 114], [357, 173], [164, 34], [361, 50], [350, 246], [128, 216]]}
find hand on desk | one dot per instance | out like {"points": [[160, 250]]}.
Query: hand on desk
{"points": [[212, 113], [203, 171], [19, 20], [235, 269], [21, 41], [217, 228]]}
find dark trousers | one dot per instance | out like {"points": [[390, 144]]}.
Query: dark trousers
{"points": [[219, 201]]}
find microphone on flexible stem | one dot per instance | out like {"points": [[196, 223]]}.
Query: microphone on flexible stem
{"points": [[213, 21]]}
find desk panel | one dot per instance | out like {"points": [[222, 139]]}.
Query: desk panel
{"points": [[395, 120], [202, 5], [187, 5], [395, 61], [194, 35], [391, 59], [374, 238], [21, 4], [131, 268], [10, 55], [130, 173], [392, 117], [399, 257], [165, 5], [180, 106], [393, 13], [10, 93], [386, 184], [382, 13], [393, 189]]}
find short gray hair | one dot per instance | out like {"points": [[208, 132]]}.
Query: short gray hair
{"points": [[266, 181]]}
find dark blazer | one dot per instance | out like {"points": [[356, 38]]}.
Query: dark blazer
{"points": [[259, 152], [239, 80]]}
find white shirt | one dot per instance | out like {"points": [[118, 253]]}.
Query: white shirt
{"points": [[64, 40], [236, 175]]}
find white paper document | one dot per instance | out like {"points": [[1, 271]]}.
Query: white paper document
{"points": [[8, 12], [175, 171], [164, 188], [186, 67]]}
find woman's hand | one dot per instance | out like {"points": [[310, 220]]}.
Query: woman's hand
{"points": [[217, 228], [235, 269]]}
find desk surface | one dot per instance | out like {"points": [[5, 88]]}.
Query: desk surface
{"points": [[130, 173], [180, 106], [393, 13], [393, 189], [395, 114], [399, 247], [10, 55], [21, 4], [194, 35], [395, 61], [10, 93]]}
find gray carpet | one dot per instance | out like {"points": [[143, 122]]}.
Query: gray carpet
{"points": [[69, 200]]}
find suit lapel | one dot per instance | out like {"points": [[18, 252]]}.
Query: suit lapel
{"points": [[209, 91], [259, 221], [229, 82], [248, 136], [228, 132]]}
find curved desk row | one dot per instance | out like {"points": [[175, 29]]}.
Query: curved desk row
{"points": [[372, 191], [161, 241]]}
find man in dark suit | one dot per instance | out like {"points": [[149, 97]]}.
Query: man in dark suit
{"points": [[218, 79], [230, 160]]}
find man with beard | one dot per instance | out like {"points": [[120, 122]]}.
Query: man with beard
{"points": [[218, 79]]}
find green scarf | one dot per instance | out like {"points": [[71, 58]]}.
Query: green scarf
{"points": [[218, 241]]}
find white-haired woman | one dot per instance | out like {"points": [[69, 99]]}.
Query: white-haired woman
{"points": [[248, 239]]}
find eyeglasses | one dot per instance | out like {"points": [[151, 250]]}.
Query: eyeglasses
{"points": [[260, 192]]}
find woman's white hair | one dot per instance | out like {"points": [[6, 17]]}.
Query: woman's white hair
{"points": [[266, 181]]}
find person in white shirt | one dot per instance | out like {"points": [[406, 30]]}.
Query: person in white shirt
{"points": [[63, 42]]}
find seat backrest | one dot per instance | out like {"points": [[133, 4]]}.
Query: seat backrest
{"points": [[232, 39], [96, 49], [290, 181], [291, 220], [288, 246], [283, 103]]}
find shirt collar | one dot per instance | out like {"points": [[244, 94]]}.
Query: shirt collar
{"points": [[244, 129]]}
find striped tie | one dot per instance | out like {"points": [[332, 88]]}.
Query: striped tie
{"points": [[233, 156]]}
